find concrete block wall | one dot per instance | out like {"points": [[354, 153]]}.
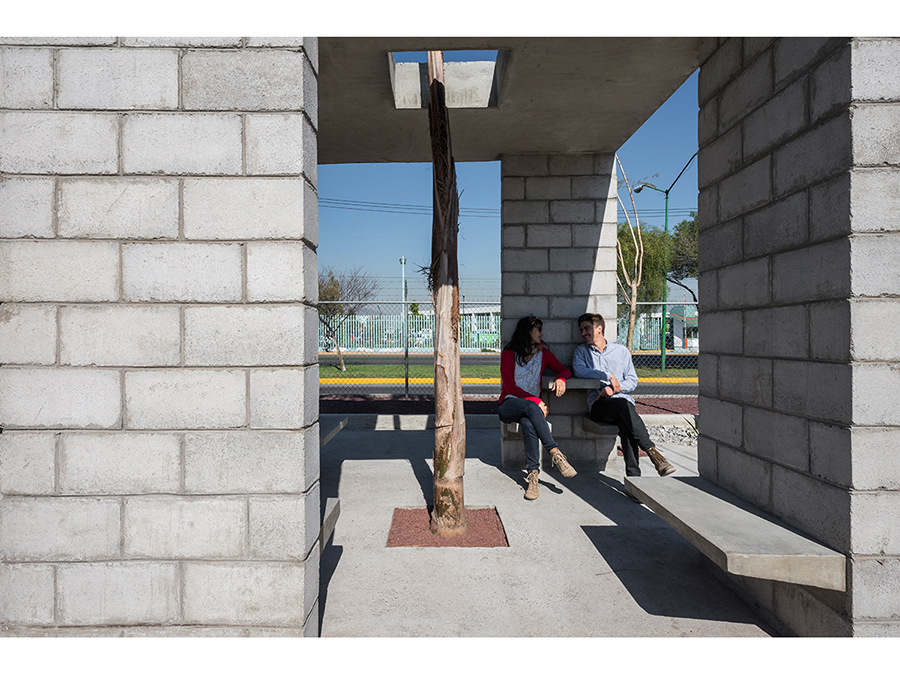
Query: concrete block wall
{"points": [[558, 261], [158, 391], [799, 176]]}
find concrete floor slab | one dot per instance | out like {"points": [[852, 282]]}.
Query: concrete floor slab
{"points": [[583, 559]]}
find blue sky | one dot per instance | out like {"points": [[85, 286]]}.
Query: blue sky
{"points": [[352, 234]]}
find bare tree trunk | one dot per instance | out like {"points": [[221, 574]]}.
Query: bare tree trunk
{"points": [[632, 317], [448, 518]]}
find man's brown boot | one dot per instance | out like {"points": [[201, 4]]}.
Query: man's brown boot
{"points": [[532, 491], [663, 468], [560, 462]]}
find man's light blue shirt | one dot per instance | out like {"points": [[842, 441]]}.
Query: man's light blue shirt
{"points": [[590, 363]]}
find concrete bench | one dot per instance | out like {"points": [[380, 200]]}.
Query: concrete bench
{"points": [[738, 537]]}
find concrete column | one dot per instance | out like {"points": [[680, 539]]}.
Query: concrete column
{"points": [[159, 390], [799, 175], [558, 261]]}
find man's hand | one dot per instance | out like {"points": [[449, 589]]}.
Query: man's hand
{"points": [[544, 408], [558, 386], [606, 392], [614, 383]]}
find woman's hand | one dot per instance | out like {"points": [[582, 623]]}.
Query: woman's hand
{"points": [[558, 386], [544, 408]]}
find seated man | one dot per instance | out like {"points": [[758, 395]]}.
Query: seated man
{"points": [[611, 364]]}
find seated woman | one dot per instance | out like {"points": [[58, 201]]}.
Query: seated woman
{"points": [[522, 362]]}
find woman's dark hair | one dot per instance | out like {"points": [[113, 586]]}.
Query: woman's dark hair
{"points": [[521, 342]]}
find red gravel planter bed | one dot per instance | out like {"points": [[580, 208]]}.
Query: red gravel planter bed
{"points": [[412, 527]]}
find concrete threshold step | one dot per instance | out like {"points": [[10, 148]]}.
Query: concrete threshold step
{"points": [[737, 536]]}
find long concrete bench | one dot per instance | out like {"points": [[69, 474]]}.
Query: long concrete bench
{"points": [[737, 536]]}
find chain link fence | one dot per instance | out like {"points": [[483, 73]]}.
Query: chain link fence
{"points": [[386, 349]]}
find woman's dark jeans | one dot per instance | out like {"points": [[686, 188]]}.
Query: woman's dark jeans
{"points": [[534, 426]]}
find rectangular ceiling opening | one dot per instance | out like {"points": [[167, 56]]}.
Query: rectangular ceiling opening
{"points": [[471, 77]]}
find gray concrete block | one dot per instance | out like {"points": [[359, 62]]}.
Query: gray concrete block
{"points": [[244, 208], [793, 55], [67, 271], [279, 145], [875, 460], [512, 188], [875, 524], [784, 115], [548, 187], [243, 335], [708, 291], [27, 334], [754, 46], [816, 508], [117, 79], [876, 64], [524, 260], [119, 208], [708, 371], [806, 614], [872, 405], [549, 283], [873, 259], [745, 380], [68, 398], [27, 463], [708, 459], [284, 527], [723, 332], [746, 189], [707, 204], [871, 335], [524, 165], [118, 593], [119, 463], [58, 528], [590, 187], [746, 91], [165, 527], [830, 330], [183, 272], [820, 153], [182, 143], [571, 165], [830, 84], [519, 306], [276, 272], [744, 285], [26, 207], [516, 212], [873, 198], [181, 42], [549, 236], [722, 421], [722, 156], [239, 594], [831, 454], [573, 211], [26, 595], [597, 282], [722, 245], [105, 335], [283, 398], [719, 69], [248, 462], [581, 259], [512, 236], [26, 78], [829, 208], [59, 41], [67, 143], [243, 80], [777, 332], [776, 437], [594, 235], [185, 399], [814, 389], [708, 123], [876, 588], [820, 272], [782, 225], [745, 475]]}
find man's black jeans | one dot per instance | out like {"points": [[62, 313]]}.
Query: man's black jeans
{"points": [[621, 412]]}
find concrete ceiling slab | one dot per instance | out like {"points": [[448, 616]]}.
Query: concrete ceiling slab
{"points": [[556, 95]]}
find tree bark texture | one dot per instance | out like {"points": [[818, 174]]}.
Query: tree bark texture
{"points": [[448, 518]]}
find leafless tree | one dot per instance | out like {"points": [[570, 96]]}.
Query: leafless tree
{"points": [[629, 276], [341, 295]]}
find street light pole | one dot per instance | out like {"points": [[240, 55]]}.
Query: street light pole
{"points": [[664, 326], [405, 327]]}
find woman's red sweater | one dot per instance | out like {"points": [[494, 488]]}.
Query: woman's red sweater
{"points": [[508, 373]]}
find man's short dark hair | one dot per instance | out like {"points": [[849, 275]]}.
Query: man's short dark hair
{"points": [[595, 319]]}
